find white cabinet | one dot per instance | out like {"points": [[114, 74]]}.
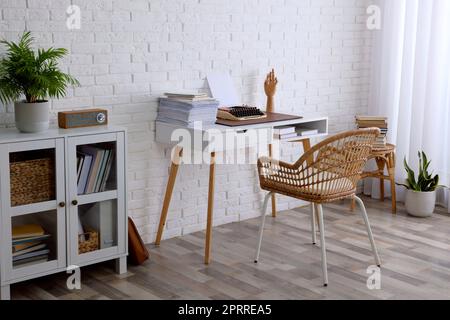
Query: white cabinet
{"points": [[41, 185]]}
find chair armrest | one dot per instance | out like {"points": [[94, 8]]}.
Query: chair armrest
{"points": [[269, 160]]}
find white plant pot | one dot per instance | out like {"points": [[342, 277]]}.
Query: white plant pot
{"points": [[420, 204], [32, 117]]}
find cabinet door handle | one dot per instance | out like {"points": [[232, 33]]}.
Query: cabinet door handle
{"points": [[62, 204], [74, 202]]}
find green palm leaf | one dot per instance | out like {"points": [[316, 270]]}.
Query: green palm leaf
{"points": [[34, 74]]}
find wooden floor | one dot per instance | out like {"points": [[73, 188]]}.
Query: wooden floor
{"points": [[415, 255]]}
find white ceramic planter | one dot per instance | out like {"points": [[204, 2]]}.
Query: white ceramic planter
{"points": [[420, 204], [32, 117]]}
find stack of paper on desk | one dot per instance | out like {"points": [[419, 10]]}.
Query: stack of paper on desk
{"points": [[185, 109]]}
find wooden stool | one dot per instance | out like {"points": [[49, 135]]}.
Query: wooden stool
{"points": [[384, 158]]}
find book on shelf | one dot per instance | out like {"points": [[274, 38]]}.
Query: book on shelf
{"points": [[107, 171], [307, 132], [93, 174], [371, 118], [27, 231], [84, 172], [96, 169], [29, 249], [285, 136], [31, 261], [80, 160], [101, 171], [365, 124], [371, 121], [28, 244], [288, 133], [380, 142], [284, 130], [30, 239], [31, 255], [375, 122], [25, 245]]}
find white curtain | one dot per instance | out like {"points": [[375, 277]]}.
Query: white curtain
{"points": [[411, 82]]}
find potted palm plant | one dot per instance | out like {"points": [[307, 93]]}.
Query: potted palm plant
{"points": [[35, 76], [420, 198]]}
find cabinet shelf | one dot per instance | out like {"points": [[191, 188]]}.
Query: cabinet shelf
{"points": [[32, 208], [97, 197], [36, 268]]}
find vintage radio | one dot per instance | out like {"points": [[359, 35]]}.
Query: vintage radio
{"points": [[82, 118]]}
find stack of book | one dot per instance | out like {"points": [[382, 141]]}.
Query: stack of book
{"points": [[375, 122], [284, 133], [291, 132], [94, 168], [187, 108], [28, 245]]}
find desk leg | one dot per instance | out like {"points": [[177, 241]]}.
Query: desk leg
{"points": [[168, 196], [209, 223], [274, 199], [306, 146]]}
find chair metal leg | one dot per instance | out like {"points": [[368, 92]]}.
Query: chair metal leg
{"points": [[261, 227], [323, 245], [313, 224], [369, 230]]}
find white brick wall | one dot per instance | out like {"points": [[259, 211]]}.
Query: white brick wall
{"points": [[129, 52]]}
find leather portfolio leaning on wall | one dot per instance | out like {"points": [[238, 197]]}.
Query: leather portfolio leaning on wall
{"points": [[137, 252]]}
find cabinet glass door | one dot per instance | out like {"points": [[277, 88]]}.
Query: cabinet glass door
{"points": [[96, 188], [33, 208]]}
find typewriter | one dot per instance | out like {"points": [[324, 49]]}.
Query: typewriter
{"points": [[240, 113]]}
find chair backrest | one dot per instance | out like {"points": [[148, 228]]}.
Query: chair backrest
{"points": [[328, 171], [337, 162]]}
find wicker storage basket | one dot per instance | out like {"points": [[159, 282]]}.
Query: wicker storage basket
{"points": [[32, 181], [89, 243]]}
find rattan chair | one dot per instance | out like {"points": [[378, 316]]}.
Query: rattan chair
{"points": [[327, 172]]}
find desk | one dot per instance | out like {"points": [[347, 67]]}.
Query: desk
{"points": [[166, 132]]}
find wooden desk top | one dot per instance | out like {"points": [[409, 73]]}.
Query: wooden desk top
{"points": [[271, 117]]}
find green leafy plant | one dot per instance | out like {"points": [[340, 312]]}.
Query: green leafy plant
{"points": [[34, 74], [425, 181]]}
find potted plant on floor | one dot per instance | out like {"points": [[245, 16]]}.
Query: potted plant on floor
{"points": [[420, 198], [34, 75]]}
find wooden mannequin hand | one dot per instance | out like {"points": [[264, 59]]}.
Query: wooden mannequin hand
{"points": [[270, 87]]}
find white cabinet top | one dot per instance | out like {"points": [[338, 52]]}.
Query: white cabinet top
{"points": [[10, 135]]}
